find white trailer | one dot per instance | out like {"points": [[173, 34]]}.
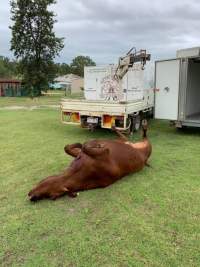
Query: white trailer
{"points": [[114, 95], [177, 87]]}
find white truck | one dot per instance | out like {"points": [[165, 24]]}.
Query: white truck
{"points": [[114, 95], [177, 87]]}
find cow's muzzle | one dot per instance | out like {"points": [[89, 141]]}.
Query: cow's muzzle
{"points": [[32, 197]]}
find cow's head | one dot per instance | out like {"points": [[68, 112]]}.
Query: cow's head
{"points": [[52, 187]]}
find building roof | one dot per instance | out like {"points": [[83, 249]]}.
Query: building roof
{"points": [[67, 78], [9, 81]]}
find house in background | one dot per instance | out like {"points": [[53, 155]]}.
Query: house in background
{"points": [[10, 87], [71, 82]]}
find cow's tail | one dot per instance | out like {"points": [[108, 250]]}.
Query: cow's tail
{"points": [[144, 128]]}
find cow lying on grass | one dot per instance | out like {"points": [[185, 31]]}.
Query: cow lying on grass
{"points": [[97, 164]]}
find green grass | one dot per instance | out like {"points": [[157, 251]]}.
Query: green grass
{"points": [[151, 218], [37, 101]]}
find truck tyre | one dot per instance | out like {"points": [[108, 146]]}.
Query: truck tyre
{"points": [[91, 128], [136, 123]]}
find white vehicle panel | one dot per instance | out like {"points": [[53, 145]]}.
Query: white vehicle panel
{"points": [[167, 89], [135, 89], [100, 84]]}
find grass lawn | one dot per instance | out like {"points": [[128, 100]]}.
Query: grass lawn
{"points": [[37, 101], [151, 218]]}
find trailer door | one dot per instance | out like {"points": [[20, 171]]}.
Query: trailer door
{"points": [[167, 75]]}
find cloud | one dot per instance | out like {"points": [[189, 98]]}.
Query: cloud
{"points": [[106, 29]]}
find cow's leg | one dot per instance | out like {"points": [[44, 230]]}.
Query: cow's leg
{"points": [[73, 150], [121, 136], [95, 151]]}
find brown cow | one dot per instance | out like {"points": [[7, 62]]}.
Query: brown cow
{"points": [[97, 164]]}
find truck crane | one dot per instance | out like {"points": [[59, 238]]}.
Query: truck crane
{"points": [[114, 95], [129, 59]]}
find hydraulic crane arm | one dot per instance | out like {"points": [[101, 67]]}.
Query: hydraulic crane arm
{"points": [[129, 59]]}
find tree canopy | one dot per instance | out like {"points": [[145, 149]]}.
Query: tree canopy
{"points": [[62, 69], [78, 63], [8, 68], [34, 42], [11, 69]]}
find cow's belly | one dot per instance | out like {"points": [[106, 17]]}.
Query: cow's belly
{"points": [[121, 161]]}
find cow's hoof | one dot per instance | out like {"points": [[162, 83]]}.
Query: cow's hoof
{"points": [[148, 165]]}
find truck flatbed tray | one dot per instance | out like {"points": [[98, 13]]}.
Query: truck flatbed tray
{"points": [[90, 107]]}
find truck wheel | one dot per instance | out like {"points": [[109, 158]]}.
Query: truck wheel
{"points": [[136, 123], [91, 128]]}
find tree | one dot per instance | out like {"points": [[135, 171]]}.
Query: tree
{"points": [[62, 69], [8, 68], [34, 42], [3, 70], [78, 63]]}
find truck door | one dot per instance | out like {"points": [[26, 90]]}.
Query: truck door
{"points": [[167, 75]]}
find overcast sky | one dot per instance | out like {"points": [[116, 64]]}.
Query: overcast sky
{"points": [[106, 29]]}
